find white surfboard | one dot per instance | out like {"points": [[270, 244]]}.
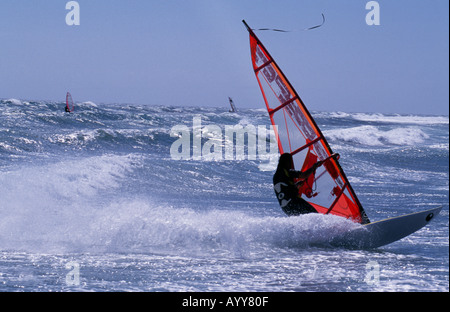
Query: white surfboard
{"points": [[386, 231]]}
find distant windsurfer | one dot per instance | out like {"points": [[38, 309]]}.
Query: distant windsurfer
{"points": [[286, 189], [233, 108], [69, 103]]}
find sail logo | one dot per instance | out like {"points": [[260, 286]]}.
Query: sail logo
{"points": [[212, 143]]}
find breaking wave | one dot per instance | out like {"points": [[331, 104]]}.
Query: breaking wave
{"points": [[374, 136]]}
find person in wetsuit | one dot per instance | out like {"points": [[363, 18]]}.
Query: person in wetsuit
{"points": [[286, 189]]}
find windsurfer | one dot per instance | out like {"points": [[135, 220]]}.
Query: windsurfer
{"points": [[67, 109], [286, 189]]}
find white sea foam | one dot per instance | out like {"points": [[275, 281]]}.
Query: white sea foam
{"points": [[386, 118], [59, 211], [77, 138], [143, 227], [373, 136], [88, 104], [44, 205], [14, 101], [402, 119]]}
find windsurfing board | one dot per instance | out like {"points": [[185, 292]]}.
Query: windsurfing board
{"points": [[384, 232]]}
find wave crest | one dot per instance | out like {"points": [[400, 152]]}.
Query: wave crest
{"points": [[373, 136]]}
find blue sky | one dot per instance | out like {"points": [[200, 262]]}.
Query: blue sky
{"points": [[196, 53]]}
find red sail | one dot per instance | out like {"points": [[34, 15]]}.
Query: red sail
{"points": [[69, 102], [297, 133]]}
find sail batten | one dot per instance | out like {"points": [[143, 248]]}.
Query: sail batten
{"points": [[263, 65], [298, 134]]}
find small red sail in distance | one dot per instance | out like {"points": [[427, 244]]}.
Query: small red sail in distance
{"points": [[69, 103], [329, 192]]}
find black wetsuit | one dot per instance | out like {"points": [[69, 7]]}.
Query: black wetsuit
{"points": [[287, 193]]}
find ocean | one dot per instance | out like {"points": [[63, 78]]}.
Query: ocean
{"points": [[108, 199]]}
